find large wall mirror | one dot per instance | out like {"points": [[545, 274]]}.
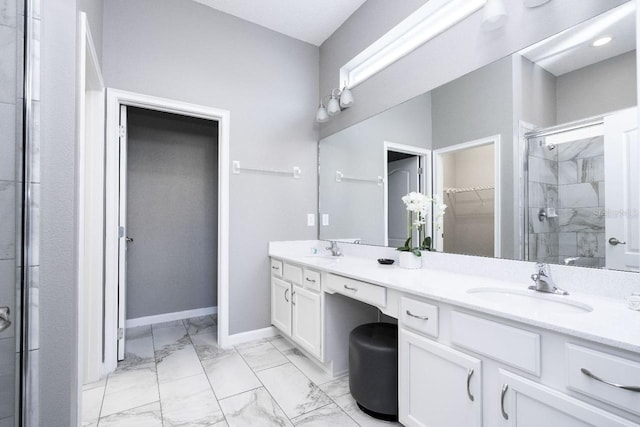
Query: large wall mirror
{"points": [[535, 156]]}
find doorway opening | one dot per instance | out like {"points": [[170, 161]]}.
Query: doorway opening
{"points": [[468, 182], [166, 212], [405, 172]]}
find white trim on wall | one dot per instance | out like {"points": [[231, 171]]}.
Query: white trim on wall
{"points": [[168, 317], [115, 98], [89, 191], [257, 334], [425, 182], [438, 186]]}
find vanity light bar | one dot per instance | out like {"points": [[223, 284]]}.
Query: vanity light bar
{"points": [[435, 17]]}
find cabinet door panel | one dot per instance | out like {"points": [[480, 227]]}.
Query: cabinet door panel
{"points": [[529, 404], [306, 319], [281, 305], [433, 384]]}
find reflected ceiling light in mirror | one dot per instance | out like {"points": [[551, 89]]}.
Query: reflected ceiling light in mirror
{"points": [[338, 101], [602, 41], [494, 15], [534, 3], [572, 48]]}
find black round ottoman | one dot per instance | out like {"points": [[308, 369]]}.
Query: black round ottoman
{"points": [[373, 369]]}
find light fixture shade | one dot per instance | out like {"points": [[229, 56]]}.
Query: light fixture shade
{"points": [[333, 107], [346, 98], [321, 115], [534, 3], [495, 15]]}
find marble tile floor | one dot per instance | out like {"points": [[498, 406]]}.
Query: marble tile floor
{"points": [[174, 374]]}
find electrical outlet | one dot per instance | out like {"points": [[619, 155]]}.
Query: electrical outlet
{"points": [[311, 220], [325, 220]]}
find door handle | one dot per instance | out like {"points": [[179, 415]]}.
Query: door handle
{"points": [[613, 241], [469, 375], [4, 318], [505, 387], [129, 239], [286, 291]]}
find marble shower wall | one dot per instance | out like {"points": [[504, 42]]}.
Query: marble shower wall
{"points": [[570, 179]]}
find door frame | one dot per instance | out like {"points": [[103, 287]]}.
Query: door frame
{"points": [[116, 98], [89, 207], [425, 181], [438, 189]]}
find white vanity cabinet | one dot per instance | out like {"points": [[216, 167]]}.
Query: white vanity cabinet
{"points": [[447, 358], [296, 305], [438, 386], [526, 403]]}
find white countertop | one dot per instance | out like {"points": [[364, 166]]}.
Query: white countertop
{"points": [[610, 323]]}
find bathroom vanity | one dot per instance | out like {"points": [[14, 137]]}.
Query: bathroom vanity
{"points": [[473, 350]]}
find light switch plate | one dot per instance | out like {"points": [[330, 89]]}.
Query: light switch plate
{"points": [[311, 220], [325, 220]]}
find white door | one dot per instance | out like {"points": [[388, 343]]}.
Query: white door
{"points": [[281, 305], [438, 386], [525, 403], [403, 177], [306, 319], [621, 152], [122, 234]]}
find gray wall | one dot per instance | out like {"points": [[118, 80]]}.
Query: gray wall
{"points": [[538, 90], [356, 210], [600, 88], [58, 303], [479, 105], [452, 54], [172, 213], [269, 82]]}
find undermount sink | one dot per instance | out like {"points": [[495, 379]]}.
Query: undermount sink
{"points": [[322, 259], [530, 300]]}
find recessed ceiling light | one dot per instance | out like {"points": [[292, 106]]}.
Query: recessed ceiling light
{"points": [[602, 41]]}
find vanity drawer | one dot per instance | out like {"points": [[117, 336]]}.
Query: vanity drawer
{"points": [[312, 279], [365, 292], [276, 267], [612, 369], [420, 316], [292, 273], [512, 346]]}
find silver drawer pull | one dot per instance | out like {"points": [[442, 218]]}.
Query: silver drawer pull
{"points": [[310, 280], [505, 387], [286, 291], [469, 375], [273, 267], [350, 289], [409, 313], [293, 294], [624, 387]]}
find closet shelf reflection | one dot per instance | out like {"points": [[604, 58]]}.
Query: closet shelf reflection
{"points": [[456, 190]]}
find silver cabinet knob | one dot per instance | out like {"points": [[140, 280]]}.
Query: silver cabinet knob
{"points": [[613, 241], [4, 318]]}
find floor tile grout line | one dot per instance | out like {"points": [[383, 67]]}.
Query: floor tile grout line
{"points": [[265, 387], [153, 343]]}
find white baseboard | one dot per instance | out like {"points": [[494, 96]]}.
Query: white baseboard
{"points": [[167, 317], [257, 334]]}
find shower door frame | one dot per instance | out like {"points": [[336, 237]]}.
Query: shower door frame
{"points": [[115, 99]]}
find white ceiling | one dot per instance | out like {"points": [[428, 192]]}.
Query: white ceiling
{"points": [[312, 21], [572, 49]]}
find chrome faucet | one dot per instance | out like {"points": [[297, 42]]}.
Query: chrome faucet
{"points": [[335, 250], [571, 260], [544, 282]]}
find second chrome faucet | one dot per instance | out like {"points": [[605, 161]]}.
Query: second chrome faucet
{"points": [[544, 282]]}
